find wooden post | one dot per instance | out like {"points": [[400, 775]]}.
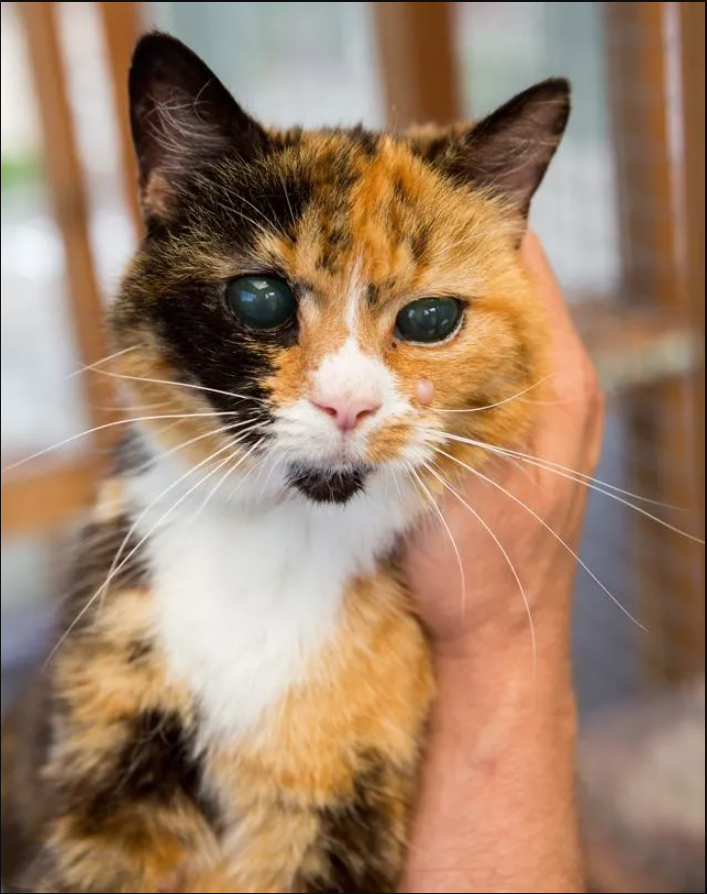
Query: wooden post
{"points": [[70, 204], [122, 25], [418, 61], [692, 19]]}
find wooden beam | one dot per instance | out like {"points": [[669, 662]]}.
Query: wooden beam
{"points": [[48, 498], [418, 60], [636, 347], [122, 25], [66, 185], [638, 79]]}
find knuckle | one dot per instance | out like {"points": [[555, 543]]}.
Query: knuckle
{"points": [[591, 385]]}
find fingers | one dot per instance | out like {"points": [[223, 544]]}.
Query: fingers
{"points": [[549, 291], [571, 431], [569, 355]]}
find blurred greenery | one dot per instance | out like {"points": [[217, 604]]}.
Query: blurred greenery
{"points": [[19, 171]]}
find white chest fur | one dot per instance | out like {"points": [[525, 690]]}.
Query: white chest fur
{"points": [[246, 596]]}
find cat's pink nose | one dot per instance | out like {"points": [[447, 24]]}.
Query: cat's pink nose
{"points": [[347, 412]]}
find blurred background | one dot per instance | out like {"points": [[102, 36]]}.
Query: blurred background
{"points": [[621, 213]]}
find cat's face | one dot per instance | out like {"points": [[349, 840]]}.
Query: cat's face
{"points": [[327, 302]]}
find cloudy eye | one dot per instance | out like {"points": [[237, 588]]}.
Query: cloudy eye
{"points": [[261, 302], [429, 320]]}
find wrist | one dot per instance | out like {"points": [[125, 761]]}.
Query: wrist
{"points": [[507, 691], [499, 774], [516, 639]]}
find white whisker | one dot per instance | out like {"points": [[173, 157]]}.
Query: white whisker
{"points": [[448, 530], [550, 466], [548, 528], [287, 199], [608, 490], [116, 570], [231, 428], [172, 383], [504, 551], [109, 425], [93, 366], [500, 403], [227, 474], [275, 461], [136, 522]]}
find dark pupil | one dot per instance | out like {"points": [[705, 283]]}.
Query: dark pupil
{"points": [[428, 320], [261, 302]]}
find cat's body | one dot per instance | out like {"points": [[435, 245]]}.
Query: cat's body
{"points": [[241, 699], [298, 721]]}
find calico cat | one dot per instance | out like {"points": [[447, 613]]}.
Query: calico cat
{"points": [[240, 697]]}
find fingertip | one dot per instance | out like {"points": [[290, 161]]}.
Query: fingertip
{"points": [[534, 256], [538, 265]]}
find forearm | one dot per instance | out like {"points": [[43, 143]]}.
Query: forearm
{"points": [[497, 810]]}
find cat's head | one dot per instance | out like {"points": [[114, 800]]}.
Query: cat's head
{"points": [[333, 306]]}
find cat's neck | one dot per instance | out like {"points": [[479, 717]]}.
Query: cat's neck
{"points": [[168, 496], [246, 590]]}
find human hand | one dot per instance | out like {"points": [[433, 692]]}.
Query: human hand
{"points": [[496, 810], [498, 602]]}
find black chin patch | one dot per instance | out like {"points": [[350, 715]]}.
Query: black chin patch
{"points": [[328, 485]]}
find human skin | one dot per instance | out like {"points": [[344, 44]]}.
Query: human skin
{"points": [[497, 806]]}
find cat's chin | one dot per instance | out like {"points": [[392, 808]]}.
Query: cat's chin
{"points": [[328, 485]]}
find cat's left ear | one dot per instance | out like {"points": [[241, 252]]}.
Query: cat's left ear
{"points": [[181, 115], [508, 153]]}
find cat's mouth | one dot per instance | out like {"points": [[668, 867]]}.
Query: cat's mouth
{"points": [[328, 485]]}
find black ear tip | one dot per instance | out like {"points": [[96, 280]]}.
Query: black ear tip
{"points": [[550, 90], [561, 86], [157, 53], [155, 43], [148, 47], [557, 90], [553, 100], [148, 51]]}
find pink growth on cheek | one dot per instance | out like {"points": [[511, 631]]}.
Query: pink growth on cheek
{"points": [[425, 392]]}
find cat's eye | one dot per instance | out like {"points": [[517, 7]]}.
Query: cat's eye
{"points": [[429, 320], [261, 302]]}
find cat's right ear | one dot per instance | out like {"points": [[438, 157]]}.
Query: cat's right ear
{"points": [[181, 115], [508, 152]]}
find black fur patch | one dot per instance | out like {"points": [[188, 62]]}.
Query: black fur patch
{"points": [[202, 337], [278, 202], [185, 306], [358, 845], [157, 764], [419, 243], [328, 485], [401, 194], [431, 149], [158, 760], [140, 651], [334, 243], [97, 548], [366, 140], [130, 455]]}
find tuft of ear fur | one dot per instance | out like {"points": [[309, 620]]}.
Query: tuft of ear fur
{"points": [[181, 115], [509, 151]]}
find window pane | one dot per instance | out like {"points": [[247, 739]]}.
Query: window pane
{"points": [[506, 47], [31, 567], [289, 63], [40, 405]]}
